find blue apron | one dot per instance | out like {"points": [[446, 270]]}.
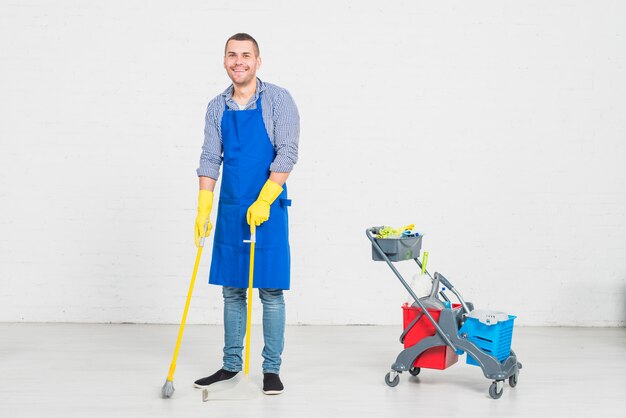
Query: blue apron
{"points": [[248, 153]]}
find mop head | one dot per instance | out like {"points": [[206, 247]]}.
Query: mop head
{"points": [[168, 389], [421, 285]]}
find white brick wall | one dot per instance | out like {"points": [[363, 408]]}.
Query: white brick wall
{"points": [[497, 127]]}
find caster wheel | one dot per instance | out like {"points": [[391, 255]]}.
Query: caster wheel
{"points": [[415, 371], [392, 383], [493, 391], [513, 380]]}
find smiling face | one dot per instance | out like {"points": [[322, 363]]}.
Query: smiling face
{"points": [[241, 62]]}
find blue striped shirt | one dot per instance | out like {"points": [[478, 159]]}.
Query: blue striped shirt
{"points": [[281, 119]]}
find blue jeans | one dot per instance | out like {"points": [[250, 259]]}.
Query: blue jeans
{"points": [[235, 327]]}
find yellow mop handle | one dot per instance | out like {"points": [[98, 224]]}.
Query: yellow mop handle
{"points": [[246, 366], [170, 375], [424, 262]]}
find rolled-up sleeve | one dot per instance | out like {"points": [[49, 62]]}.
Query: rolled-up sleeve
{"points": [[286, 133], [211, 156]]}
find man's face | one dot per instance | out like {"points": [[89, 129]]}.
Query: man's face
{"points": [[241, 62]]}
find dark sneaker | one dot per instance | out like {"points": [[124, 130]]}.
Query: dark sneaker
{"points": [[218, 376], [272, 384]]}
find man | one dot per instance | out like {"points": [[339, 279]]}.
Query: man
{"points": [[253, 129]]}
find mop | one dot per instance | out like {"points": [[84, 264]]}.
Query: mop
{"points": [[239, 389], [168, 388]]}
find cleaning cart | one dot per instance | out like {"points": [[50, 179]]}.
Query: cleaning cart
{"points": [[437, 331]]}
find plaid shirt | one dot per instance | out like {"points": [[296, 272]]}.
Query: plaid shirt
{"points": [[281, 119]]}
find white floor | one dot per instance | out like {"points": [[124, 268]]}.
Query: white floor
{"points": [[70, 370]]}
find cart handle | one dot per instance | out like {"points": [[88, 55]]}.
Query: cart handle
{"points": [[443, 280], [449, 285]]}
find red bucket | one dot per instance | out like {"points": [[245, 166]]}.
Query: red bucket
{"points": [[435, 357]]}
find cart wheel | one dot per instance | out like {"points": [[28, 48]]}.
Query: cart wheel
{"points": [[415, 371], [513, 380], [392, 383], [493, 391]]}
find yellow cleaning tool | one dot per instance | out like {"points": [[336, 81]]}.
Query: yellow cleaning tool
{"points": [[168, 388], [246, 364], [232, 388], [424, 261]]}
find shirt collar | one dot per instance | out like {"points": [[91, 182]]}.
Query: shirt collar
{"points": [[260, 86]]}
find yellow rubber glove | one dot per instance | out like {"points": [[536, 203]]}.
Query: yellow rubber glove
{"points": [[259, 211], [205, 203]]}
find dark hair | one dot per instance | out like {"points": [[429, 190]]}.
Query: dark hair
{"points": [[243, 37]]}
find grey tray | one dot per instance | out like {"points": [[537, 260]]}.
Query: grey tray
{"points": [[398, 249]]}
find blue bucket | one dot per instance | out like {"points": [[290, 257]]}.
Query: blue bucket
{"points": [[494, 340]]}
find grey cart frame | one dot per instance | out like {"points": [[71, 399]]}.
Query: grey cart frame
{"points": [[447, 334]]}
